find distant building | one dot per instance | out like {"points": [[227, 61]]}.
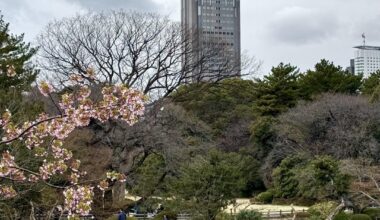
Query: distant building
{"points": [[351, 68], [214, 24], [367, 60]]}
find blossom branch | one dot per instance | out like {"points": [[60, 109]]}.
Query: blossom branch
{"points": [[21, 134]]}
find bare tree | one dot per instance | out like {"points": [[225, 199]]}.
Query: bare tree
{"points": [[342, 126], [142, 50], [365, 187]]}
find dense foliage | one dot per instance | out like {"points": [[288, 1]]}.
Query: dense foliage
{"points": [[218, 104], [301, 125], [318, 179], [371, 83], [32, 150], [321, 210], [16, 77], [278, 91], [16, 73], [249, 215], [288, 136], [326, 77], [210, 183]]}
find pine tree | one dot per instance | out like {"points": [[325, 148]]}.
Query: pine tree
{"points": [[16, 71], [16, 77], [326, 77], [278, 91], [371, 83]]}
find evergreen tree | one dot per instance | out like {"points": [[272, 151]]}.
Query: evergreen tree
{"points": [[370, 83], [375, 96], [16, 77], [285, 181], [322, 179], [218, 104], [326, 77], [278, 91], [16, 71], [209, 183]]}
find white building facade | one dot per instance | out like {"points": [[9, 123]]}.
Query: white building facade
{"points": [[367, 60]]}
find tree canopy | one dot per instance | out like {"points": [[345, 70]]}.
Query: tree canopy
{"points": [[278, 91], [210, 183], [16, 71], [327, 77], [370, 83], [317, 179], [218, 104]]}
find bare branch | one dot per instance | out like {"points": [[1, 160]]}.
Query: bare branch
{"points": [[145, 51]]}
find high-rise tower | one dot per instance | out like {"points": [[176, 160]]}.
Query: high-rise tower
{"points": [[214, 25]]}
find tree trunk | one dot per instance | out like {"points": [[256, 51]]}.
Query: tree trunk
{"points": [[118, 193], [31, 217]]}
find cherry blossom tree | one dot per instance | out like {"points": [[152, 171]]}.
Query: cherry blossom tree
{"points": [[45, 137]]}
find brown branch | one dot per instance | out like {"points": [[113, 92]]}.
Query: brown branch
{"points": [[370, 197], [29, 128]]}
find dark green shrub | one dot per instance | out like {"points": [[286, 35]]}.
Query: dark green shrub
{"points": [[372, 212], [170, 215], [265, 197], [360, 217], [249, 215], [342, 216]]}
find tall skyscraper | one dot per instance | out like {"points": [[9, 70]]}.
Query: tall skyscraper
{"points": [[367, 60], [214, 25]]}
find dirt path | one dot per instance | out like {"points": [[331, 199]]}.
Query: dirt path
{"points": [[245, 204]]}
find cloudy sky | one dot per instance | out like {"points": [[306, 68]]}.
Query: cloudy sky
{"points": [[300, 32]]}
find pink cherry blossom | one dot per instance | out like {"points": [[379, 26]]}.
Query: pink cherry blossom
{"points": [[11, 71], [78, 200], [103, 185], [44, 136], [5, 118], [7, 192], [45, 88]]}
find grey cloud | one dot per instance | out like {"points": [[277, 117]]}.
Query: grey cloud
{"points": [[371, 27], [29, 17], [101, 5], [273, 30], [298, 25]]}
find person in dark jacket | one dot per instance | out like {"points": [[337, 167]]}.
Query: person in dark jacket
{"points": [[122, 215]]}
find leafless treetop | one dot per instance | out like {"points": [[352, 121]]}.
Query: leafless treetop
{"points": [[141, 50]]}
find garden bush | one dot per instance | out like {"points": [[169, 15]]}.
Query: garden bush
{"points": [[372, 212], [265, 197], [321, 210], [360, 217], [342, 216], [169, 215], [249, 215]]}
